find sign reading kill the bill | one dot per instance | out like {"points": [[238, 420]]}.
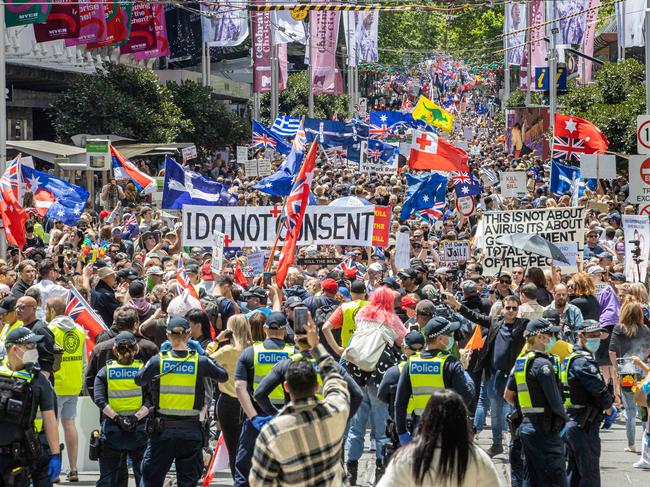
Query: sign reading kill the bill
{"points": [[557, 225]]}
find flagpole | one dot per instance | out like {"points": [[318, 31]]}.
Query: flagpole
{"points": [[310, 92], [269, 264], [3, 119], [552, 65], [506, 66], [274, 79]]}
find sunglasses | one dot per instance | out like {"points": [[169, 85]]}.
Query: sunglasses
{"points": [[505, 281], [511, 308]]}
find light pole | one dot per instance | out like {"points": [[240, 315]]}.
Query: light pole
{"points": [[3, 116]]}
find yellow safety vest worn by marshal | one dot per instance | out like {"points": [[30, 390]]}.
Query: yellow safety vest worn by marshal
{"points": [[349, 311], [263, 361], [564, 377], [124, 395], [425, 375], [521, 368], [68, 380], [22, 375], [178, 376], [299, 356]]}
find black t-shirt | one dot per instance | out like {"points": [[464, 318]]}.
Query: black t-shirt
{"points": [[589, 307], [623, 345]]}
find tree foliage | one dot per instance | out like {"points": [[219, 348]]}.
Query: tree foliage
{"points": [[612, 103], [118, 100]]}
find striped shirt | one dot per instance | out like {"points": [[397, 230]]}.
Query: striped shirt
{"points": [[302, 446]]}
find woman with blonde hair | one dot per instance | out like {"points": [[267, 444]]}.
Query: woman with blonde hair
{"points": [[231, 343], [631, 337]]}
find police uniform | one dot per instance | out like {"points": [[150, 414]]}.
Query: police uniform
{"points": [[176, 382], [23, 396], [432, 369], [539, 400], [586, 396], [115, 386]]}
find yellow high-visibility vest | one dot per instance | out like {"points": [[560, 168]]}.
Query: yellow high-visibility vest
{"points": [[124, 395], [178, 376], [349, 311], [426, 377], [263, 361], [68, 380]]}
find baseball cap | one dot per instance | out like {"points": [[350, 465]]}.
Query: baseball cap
{"points": [[617, 277], [22, 335], [178, 322], [469, 287], [408, 302], [541, 325], [596, 269], [125, 338], [192, 268], [588, 326], [376, 266], [552, 315], [620, 247], [350, 273], [254, 292], [329, 285], [413, 339], [104, 272], [8, 304], [155, 270], [358, 287], [128, 273], [391, 283], [614, 215], [292, 302], [605, 255], [425, 308], [276, 320], [593, 230], [407, 273], [439, 326]]}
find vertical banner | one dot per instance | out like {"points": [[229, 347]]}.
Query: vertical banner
{"points": [[224, 24], [589, 38], [361, 32], [261, 51], [118, 20], [515, 20], [323, 32], [283, 67], [92, 24], [637, 243], [573, 16], [160, 27], [143, 30], [62, 23], [25, 12], [538, 45], [184, 35], [286, 28]]}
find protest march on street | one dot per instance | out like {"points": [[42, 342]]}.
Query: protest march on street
{"points": [[358, 272]]}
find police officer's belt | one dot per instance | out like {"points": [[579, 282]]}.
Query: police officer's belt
{"points": [[181, 423]]}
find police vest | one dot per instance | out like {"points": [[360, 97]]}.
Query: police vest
{"points": [[8, 329], [263, 361], [298, 357], [564, 377], [17, 403], [411, 405], [527, 403], [68, 379], [178, 377], [349, 311], [426, 377], [124, 395]]}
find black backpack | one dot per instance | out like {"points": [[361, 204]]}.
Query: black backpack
{"points": [[324, 311]]}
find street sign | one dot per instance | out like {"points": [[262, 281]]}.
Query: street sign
{"points": [[541, 78], [643, 134]]}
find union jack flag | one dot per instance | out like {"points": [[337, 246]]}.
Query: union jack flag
{"points": [[568, 148], [132, 220], [374, 154], [459, 177], [433, 214], [379, 131], [347, 264], [407, 105], [263, 140], [84, 315], [10, 179]]}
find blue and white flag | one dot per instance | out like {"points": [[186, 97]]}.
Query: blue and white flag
{"points": [[264, 137], [185, 187], [332, 133], [64, 201], [490, 176], [286, 126], [567, 179]]}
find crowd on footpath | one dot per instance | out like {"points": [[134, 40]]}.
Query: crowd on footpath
{"points": [[296, 376]]}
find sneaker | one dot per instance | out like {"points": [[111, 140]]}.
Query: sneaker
{"points": [[352, 468], [642, 464], [379, 470], [630, 449], [495, 450]]}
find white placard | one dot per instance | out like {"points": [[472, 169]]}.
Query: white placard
{"points": [[570, 251], [455, 251], [218, 241], [256, 262], [468, 133], [636, 230], [403, 250], [242, 154], [263, 167], [589, 166], [475, 150], [250, 167], [513, 184], [189, 153], [598, 166]]}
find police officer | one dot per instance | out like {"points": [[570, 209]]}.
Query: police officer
{"points": [[124, 405], [434, 368], [24, 393], [534, 386], [586, 397], [176, 380], [255, 363]]}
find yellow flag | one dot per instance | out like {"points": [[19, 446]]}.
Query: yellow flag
{"points": [[433, 114]]}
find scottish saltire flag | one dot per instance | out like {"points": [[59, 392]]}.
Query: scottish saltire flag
{"points": [[264, 137], [465, 184], [286, 126], [332, 133], [185, 187], [567, 179], [64, 201], [280, 182], [123, 169], [426, 192]]}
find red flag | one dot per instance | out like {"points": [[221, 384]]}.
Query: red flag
{"points": [[240, 278], [428, 151], [83, 314], [13, 217], [294, 210], [219, 461], [574, 136]]}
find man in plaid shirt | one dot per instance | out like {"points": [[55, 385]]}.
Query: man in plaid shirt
{"points": [[302, 445]]}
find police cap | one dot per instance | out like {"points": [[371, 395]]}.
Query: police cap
{"points": [[22, 335], [438, 325]]}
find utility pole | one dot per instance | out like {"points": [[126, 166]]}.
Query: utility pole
{"points": [[506, 66], [530, 76], [274, 80], [310, 93], [621, 48], [647, 58], [3, 117], [552, 64]]}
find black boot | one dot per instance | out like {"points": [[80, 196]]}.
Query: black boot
{"points": [[352, 468], [379, 470]]}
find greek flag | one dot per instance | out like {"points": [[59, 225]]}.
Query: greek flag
{"points": [[286, 126], [493, 178]]}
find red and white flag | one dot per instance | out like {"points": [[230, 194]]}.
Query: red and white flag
{"points": [[294, 211], [83, 314], [220, 461], [184, 284], [430, 152], [574, 136]]}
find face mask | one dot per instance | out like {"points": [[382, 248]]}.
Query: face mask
{"points": [[550, 344], [592, 344], [450, 343], [30, 357]]}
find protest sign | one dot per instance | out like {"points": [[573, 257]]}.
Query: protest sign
{"points": [[378, 166], [321, 261], [570, 251], [217, 252], [256, 262], [403, 250], [256, 226], [475, 150], [454, 251], [639, 179], [636, 230], [257, 167], [598, 166], [513, 184], [468, 133], [557, 225], [466, 205], [189, 153], [242, 154]]}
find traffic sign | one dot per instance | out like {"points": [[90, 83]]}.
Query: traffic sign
{"points": [[643, 134], [541, 78]]}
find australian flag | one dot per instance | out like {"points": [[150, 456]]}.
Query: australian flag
{"points": [[332, 133], [183, 186], [264, 137], [427, 192], [280, 182], [286, 126], [466, 184]]}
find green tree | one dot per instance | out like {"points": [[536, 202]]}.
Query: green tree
{"points": [[294, 100], [612, 103], [118, 100], [212, 126]]}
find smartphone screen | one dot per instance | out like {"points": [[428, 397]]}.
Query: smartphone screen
{"points": [[267, 278], [300, 320]]}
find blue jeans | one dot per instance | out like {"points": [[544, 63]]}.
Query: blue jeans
{"points": [[495, 385], [630, 416], [375, 410], [482, 408]]}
